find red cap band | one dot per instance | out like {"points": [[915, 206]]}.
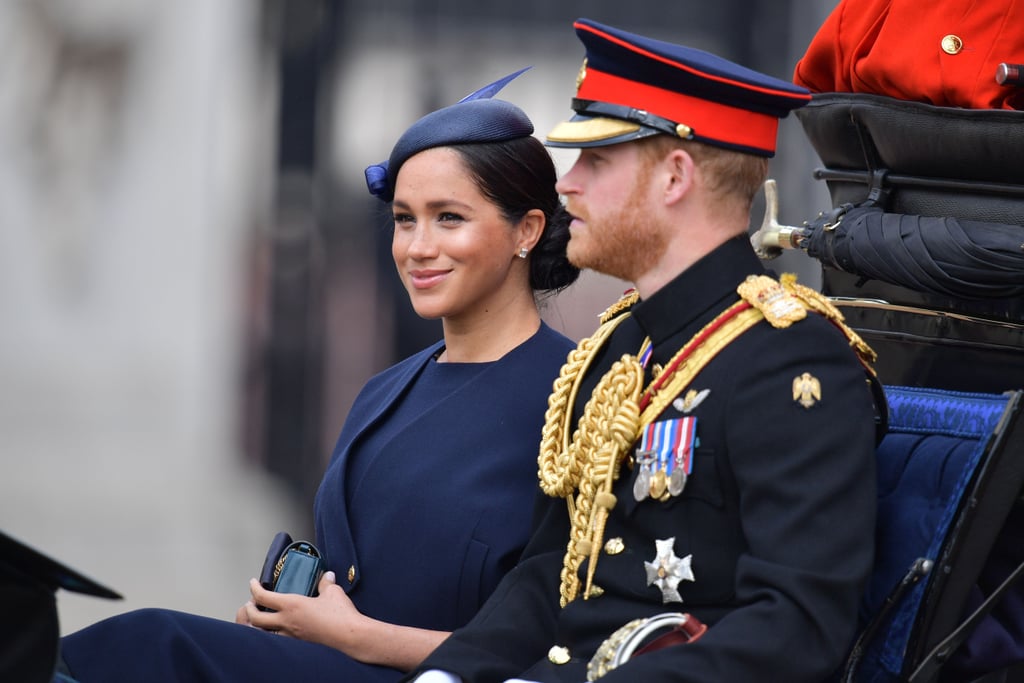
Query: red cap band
{"points": [[707, 119]]}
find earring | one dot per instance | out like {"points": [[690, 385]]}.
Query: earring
{"points": [[523, 251]]}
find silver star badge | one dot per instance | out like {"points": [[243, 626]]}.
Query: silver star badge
{"points": [[667, 570]]}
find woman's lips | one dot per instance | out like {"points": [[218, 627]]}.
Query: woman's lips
{"points": [[425, 279]]}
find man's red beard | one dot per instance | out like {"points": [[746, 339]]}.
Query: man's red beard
{"points": [[623, 243]]}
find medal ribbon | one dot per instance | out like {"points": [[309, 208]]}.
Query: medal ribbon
{"points": [[687, 441], [671, 442]]}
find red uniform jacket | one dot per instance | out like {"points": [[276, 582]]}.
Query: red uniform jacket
{"points": [[941, 52]]}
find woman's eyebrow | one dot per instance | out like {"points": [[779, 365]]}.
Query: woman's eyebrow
{"points": [[434, 204]]}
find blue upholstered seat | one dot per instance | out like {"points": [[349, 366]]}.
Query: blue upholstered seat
{"points": [[936, 466]]}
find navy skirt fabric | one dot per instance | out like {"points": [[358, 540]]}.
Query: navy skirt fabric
{"points": [[159, 646]]}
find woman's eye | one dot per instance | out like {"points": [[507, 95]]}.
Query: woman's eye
{"points": [[403, 219], [449, 217]]}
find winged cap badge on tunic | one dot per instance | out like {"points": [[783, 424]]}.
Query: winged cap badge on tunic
{"points": [[693, 398], [806, 390]]}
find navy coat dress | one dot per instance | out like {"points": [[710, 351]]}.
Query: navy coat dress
{"points": [[424, 506]]}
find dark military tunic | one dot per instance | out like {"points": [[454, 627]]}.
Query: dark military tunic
{"points": [[777, 516]]}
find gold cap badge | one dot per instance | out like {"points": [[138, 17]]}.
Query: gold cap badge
{"points": [[581, 75], [806, 390]]}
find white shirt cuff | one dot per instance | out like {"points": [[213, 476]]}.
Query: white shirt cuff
{"points": [[436, 676]]}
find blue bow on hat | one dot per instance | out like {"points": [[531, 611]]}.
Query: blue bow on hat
{"points": [[474, 118]]}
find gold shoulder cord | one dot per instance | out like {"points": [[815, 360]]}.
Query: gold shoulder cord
{"points": [[619, 409], [819, 303], [564, 466], [558, 476]]}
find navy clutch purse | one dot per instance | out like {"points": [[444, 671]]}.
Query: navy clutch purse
{"points": [[291, 566]]}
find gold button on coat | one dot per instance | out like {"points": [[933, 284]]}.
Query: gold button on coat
{"points": [[351, 573], [952, 44], [614, 546], [558, 655]]}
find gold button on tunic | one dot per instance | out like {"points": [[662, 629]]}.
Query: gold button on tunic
{"points": [[952, 44]]}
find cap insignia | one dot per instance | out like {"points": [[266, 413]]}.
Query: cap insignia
{"points": [[691, 400], [581, 75], [806, 390]]}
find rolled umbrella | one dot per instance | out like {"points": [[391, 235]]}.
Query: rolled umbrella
{"points": [[966, 259], [942, 255]]}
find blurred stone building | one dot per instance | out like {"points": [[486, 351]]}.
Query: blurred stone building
{"points": [[193, 280]]}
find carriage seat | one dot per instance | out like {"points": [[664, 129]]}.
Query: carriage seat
{"points": [[948, 538]]}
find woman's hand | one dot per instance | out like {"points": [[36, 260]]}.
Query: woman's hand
{"points": [[333, 620], [330, 618]]}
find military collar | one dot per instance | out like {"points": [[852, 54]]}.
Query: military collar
{"points": [[698, 293]]}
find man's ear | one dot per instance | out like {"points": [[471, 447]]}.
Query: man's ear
{"points": [[679, 167]]}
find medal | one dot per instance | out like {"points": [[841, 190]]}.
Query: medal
{"points": [[665, 458], [667, 570], [642, 483], [658, 484], [676, 481]]}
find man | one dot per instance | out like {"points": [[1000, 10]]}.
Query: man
{"points": [[714, 440]]}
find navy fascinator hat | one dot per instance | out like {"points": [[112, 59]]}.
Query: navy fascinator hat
{"points": [[475, 118]]}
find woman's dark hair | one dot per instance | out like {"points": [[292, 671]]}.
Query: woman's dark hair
{"points": [[518, 175]]}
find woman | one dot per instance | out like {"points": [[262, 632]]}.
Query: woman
{"points": [[425, 504]]}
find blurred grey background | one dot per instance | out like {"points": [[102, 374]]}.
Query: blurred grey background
{"points": [[194, 282]]}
